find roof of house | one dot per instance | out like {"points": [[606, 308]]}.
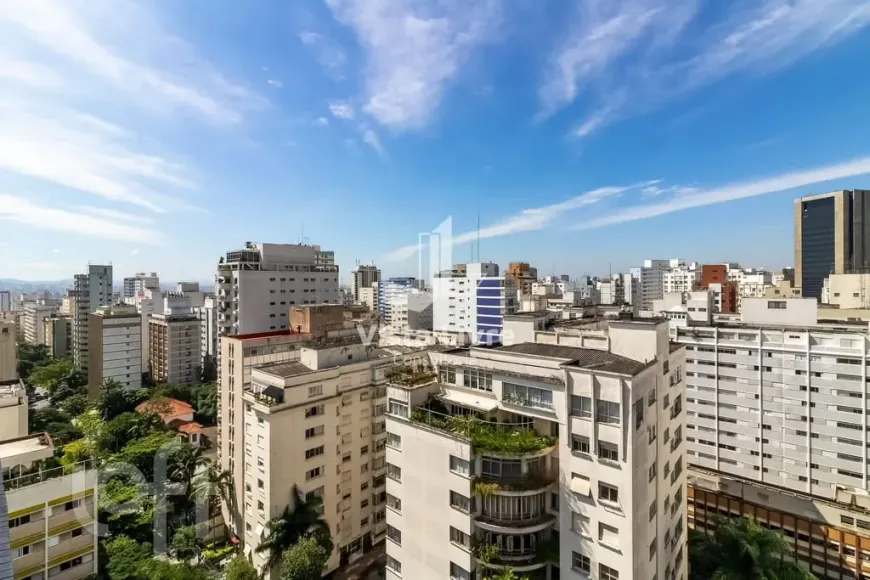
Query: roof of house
{"points": [[167, 407], [188, 426]]}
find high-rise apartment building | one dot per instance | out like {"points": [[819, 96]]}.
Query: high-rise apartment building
{"points": [[523, 274], [35, 314], [363, 277], [715, 277], [8, 352], [208, 332], [174, 347], [389, 290], [651, 279], [140, 282], [319, 422], [50, 513], [115, 336], [776, 428], [831, 236], [57, 335], [255, 286], [553, 460], [5, 300], [471, 300], [680, 278], [91, 291]]}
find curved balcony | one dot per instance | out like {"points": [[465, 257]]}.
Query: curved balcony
{"points": [[527, 484], [515, 515], [521, 553]]}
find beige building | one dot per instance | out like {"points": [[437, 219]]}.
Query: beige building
{"points": [[13, 410], [8, 353], [51, 512], [34, 315], [331, 404], [174, 348], [847, 291], [115, 347], [57, 333]]}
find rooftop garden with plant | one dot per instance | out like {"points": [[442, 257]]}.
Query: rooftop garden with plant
{"points": [[411, 376]]}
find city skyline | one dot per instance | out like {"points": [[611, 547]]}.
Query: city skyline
{"points": [[157, 137]]}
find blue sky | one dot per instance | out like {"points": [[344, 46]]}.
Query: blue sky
{"points": [[585, 134]]}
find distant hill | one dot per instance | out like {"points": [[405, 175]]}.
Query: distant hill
{"points": [[28, 286]]}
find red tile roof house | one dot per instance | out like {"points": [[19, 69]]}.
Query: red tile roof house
{"points": [[177, 414]]}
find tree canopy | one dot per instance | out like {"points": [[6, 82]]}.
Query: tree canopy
{"points": [[240, 569], [301, 517], [304, 560]]}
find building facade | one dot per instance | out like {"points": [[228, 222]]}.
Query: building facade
{"points": [[651, 279], [208, 332], [388, 291], [5, 300], [91, 291], [57, 335], [775, 412], [174, 348], [363, 277], [140, 282], [8, 352], [255, 286], [555, 461], [115, 335], [831, 236], [34, 315]]}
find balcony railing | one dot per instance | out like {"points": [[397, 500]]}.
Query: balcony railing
{"points": [[502, 438], [411, 377], [537, 479], [48, 474]]}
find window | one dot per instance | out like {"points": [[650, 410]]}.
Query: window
{"points": [[580, 444], [313, 452], [346, 458], [581, 406], [314, 411], [394, 534], [459, 466], [394, 472], [394, 565], [608, 535], [652, 549], [607, 411], [394, 441], [364, 504], [313, 432], [398, 408], [316, 472], [607, 573], [527, 396], [477, 379], [19, 521], [315, 391], [608, 493], [776, 305], [314, 494], [459, 537], [447, 374], [580, 563], [460, 502], [458, 573], [608, 451], [394, 503]]}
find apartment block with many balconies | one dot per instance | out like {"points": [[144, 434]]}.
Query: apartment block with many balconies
{"points": [[552, 460], [51, 512]]}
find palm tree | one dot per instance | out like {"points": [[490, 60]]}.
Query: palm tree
{"points": [[185, 462], [212, 480], [301, 517], [742, 549]]}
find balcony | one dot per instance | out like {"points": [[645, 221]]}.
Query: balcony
{"points": [[41, 476], [70, 549], [522, 552], [485, 436], [531, 481], [408, 376]]}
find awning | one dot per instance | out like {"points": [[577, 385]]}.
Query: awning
{"points": [[580, 486], [468, 400], [258, 533]]}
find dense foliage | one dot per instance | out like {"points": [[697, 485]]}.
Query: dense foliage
{"points": [[304, 560], [742, 549]]}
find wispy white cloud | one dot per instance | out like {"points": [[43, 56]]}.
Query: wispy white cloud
{"points": [[371, 139], [686, 198], [116, 215], [134, 252], [525, 221], [329, 55], [24, 211], [275, 83], [638, 48], [323, 121], [341, 110], [592, 122], [151, 68], [44, 265], [413, 50]]}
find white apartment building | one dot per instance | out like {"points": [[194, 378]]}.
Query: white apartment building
{"points": [[471, 300], [680, 279], [50, 512], [412, 311], [544, 458], [651, 278], [34, 315], [776, 428], [369, 297], [115, 335], [174, 344], [91, 291], [140, 282], [13, 410], [331, 403], [255, 286], [208, 329]]}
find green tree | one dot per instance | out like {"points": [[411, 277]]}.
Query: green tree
{"points": [[304, 560], [30, 356], [69, 386], [127, 508], [742, 549], [187, 542], [115, 399], [508, 574], [125, 557], [240, 569], [301, 517], [155, 569], [62, 433], [212, 480], [206, 402], [41, 418], [75, 404], [50, 373], [184, 462], [141, 452]]}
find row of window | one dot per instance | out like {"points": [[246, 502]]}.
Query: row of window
{"points": [[583, 565], [605, 411]]}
